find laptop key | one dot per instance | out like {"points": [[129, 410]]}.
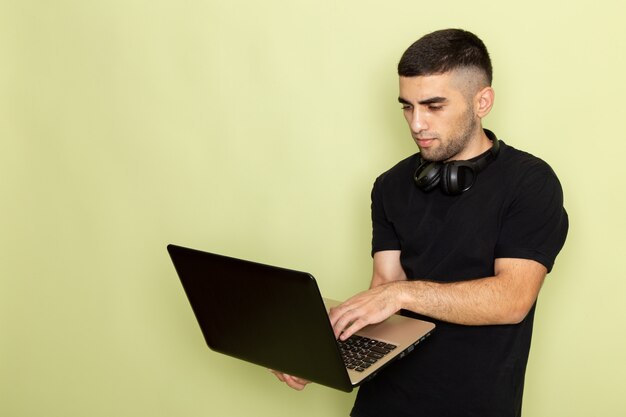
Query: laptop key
{"points": [[380, 350], [359, 353]]}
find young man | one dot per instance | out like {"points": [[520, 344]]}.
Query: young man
{"points": [[464, 233]]}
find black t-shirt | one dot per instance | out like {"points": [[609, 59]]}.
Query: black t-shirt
{"points": [[514, 210]]}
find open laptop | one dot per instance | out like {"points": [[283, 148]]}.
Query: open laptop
{"points": [[276, 318]]}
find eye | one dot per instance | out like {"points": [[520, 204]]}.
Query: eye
{"points": [[406, 107], [435, 108]]}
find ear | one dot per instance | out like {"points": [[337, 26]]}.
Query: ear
{"points": [[483, 102]]}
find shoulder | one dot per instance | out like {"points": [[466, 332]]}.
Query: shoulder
{"points": [[520, 167], [532, 190], [519, 160], [400, 172]]}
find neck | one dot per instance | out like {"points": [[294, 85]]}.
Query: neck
{"points": [[477, 145]]}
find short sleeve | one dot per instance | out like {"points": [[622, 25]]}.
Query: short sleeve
{"points": [[535, 224], [384, 236]]}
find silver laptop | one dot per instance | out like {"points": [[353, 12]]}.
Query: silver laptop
{"points": [[276, 318]]}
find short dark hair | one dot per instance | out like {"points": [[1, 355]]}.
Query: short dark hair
{"points": [[445, 50]]}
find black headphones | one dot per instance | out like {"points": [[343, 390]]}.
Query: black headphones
{"points": [[455, 177]]}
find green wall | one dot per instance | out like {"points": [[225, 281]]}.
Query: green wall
{"points": [[256, 129]]}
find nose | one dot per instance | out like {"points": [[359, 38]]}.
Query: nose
{"points": [[417, 122]]}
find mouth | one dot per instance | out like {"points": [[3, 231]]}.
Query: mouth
{"points": [[424, 142]]}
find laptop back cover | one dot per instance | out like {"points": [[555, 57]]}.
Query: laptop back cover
{"points": [[270, 316]]}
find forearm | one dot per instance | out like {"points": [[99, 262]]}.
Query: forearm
{"points": [[502, 299], [475, 302]]}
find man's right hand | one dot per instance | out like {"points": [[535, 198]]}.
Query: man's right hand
{"points": [[292, 381]]}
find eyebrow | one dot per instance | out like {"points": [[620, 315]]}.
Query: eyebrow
{"points": [[431, 100]]}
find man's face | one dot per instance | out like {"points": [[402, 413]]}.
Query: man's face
{"points": [[440, 113]]}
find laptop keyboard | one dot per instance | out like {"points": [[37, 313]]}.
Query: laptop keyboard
{"points": [[359, 353]]}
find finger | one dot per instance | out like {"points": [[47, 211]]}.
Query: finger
{"points": [[279, 375], [339, 312], [291, 381], [342, 323], [295, 383], [354, 327], [350, 323]]}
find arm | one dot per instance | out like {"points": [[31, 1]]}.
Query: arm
{"points": [[387, 268], [504, 298]]}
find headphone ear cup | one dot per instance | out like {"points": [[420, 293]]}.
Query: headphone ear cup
{"points": [[457, 177], [427, 175], [450, 179], [445, 179]]}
